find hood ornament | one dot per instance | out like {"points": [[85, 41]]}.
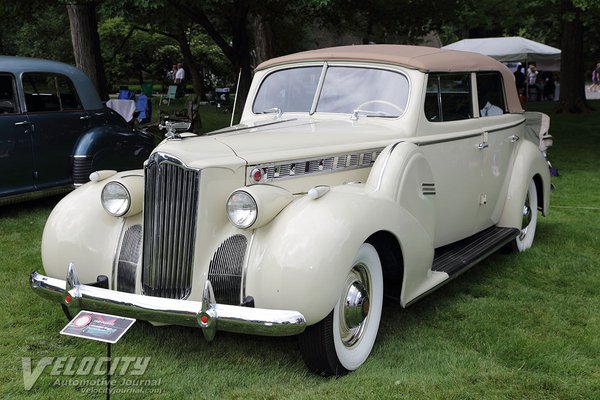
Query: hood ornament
{"points": [[174, 129]]}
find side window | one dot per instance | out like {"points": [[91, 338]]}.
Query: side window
{"points": [[8, 98], [49, 92], [448, 97], [490, 94]]}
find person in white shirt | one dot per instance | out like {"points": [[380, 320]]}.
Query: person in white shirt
{"points": [[179, 79], [180, 74], [532, 74]]}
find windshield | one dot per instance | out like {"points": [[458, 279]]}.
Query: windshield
{"points": [[362, 91]]}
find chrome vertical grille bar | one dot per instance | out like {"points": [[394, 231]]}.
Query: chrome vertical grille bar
{"points": [[170, 210]]}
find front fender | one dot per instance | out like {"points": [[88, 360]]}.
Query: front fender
{"points": [[81, 232], [301, 259]]}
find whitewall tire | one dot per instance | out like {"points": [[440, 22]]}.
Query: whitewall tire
{"points": [[529, 222], [344, 339]]}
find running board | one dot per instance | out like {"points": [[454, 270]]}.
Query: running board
{"points": [[460, 256]]}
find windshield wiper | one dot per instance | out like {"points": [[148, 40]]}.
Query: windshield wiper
{"points": [[367, 113]]}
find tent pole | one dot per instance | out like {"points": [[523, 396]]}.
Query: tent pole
{"points": [[527, 79]]}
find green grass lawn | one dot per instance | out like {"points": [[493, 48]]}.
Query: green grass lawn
{"points": [[523, 326]]}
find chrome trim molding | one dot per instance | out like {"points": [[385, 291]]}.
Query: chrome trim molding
{"points": [[312, 166], [33, 195], [205, 314], [449, 139]]}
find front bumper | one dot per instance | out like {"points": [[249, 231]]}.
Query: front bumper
{"points": [[205, 314]]}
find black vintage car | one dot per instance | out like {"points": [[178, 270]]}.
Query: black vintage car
{"points": [[55, 131]]}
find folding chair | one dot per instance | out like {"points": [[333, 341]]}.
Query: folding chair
{"points": [[144, 107], [171, 93]]}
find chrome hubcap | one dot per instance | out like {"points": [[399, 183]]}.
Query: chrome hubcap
{"points": [[527, 215], [355, 305]]}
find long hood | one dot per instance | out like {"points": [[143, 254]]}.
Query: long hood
{"points": [[201, 152], [300, 138]]}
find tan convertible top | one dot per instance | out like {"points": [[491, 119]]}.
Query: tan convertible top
{"points": [[425, 59]]}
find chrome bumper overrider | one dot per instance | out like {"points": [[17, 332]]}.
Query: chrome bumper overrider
{"points": [[205, 314]]}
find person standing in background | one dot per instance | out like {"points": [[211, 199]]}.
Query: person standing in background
{"points": [[180, 79], [595, 78], [532, 89], [520, 80]]}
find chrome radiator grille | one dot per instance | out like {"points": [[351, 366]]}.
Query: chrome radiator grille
{"points": [[170, 209]]}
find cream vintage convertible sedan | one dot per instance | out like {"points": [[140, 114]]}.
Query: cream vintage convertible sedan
{"points": [[356, 173]]}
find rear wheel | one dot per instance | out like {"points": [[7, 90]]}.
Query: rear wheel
{"points": [[343, 340], [529, 222]]}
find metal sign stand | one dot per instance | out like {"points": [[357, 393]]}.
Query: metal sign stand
{"points": [[108, 370]]}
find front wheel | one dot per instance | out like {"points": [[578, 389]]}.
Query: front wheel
{"points": [[529, 222], [343, 340]]}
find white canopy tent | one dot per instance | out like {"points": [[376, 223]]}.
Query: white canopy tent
{"points": [[512, 49]]}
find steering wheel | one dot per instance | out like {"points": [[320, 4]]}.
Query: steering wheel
{"points": [[387, 103]]}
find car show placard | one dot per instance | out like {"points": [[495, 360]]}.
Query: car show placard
{"points": [[98, 326]]}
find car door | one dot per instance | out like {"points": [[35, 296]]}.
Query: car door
{"points": [[451, 139], [500, 130], [57, 119], [16, 151]]}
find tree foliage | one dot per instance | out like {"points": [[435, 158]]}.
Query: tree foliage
{"points": [[141, 39], [35, 29]]}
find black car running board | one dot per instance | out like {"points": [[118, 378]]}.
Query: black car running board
{"points": [[460, 256]]}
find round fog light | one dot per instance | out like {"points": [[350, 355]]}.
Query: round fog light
{"points": [[115, 199], [241, 209]]}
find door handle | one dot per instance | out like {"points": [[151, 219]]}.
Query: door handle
{"points": [[513, 138], [84, 117], [28, 126], [484, 141]]}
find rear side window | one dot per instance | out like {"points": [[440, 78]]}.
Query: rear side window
{"points": [[8, 98], [448, 97], [490, 94], [49, 92]]}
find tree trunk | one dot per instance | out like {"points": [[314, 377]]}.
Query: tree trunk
{"points": [[238, 53], [190, 63], [241, 51], [86, 44], [572, 81], [262, 36]]}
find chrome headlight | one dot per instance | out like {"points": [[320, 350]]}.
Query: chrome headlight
{"points": [[241, 209], [116, 199]]}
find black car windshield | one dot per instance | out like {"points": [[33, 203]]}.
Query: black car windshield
{"points": [[347, 90]]}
